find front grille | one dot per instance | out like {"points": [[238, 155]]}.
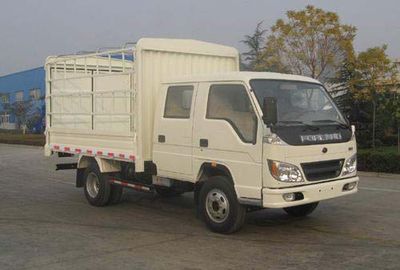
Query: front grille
{"points": [[322, 170]]}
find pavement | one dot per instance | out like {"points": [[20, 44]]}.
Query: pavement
{"points": [[46, 223]]}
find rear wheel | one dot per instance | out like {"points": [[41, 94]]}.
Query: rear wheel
{"points": [[301, 210], [97, 187], [219, 207]]}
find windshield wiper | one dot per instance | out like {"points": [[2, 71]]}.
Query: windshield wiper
{"points": [[341, 124], [311, 127]]}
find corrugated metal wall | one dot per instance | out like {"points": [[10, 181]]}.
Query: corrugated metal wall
{"points": [[24, 81]]}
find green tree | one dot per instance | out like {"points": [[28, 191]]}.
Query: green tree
{"points": [[391, 110], [394, 103], [341, 88], [21, 111], [255, 44], [375, 76], [310, 42]]}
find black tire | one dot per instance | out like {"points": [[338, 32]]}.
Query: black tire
{"points": [[115, 194], [101, 197], [301, 210], [220, 187], [168, 192]]}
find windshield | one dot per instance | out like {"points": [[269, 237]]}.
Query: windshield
{"points": [[299, 102]]}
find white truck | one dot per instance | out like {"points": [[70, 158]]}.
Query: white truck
{"points": [[175, 116]]}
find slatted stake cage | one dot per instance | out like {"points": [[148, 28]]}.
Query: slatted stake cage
{"points": [[102, 103]]}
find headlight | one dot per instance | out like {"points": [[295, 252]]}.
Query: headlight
{"points": [[350, 166], [285, 172], [273, 139]]}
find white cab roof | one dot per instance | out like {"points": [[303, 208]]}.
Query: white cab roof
{"points": [[240, 76]]}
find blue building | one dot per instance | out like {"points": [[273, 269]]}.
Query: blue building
{"points": [[22, 102]]}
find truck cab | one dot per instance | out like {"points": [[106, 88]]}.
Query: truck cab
{"points": [[279, 140]]}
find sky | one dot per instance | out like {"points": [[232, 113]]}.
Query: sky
{"points": [[30, 30]]}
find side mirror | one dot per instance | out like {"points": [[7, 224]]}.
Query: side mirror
{"points": [[353, 129], [270, 111]]}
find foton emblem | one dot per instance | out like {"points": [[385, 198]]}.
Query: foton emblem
{"points": [[321, 137]]}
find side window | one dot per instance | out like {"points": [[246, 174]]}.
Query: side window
{"points": [[34, 94], [5, 98], [230, 102], [19, 96], [178, 101]]}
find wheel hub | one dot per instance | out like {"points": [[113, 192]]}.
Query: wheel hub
{"points": [[217, 205], [92, 185]]}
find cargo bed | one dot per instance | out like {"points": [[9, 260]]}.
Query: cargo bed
{"points": [[102, 103]]}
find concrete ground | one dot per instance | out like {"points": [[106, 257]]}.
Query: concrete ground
{"points": [[45, 223]]}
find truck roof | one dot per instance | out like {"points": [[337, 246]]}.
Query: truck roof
{"points": [[240, 76], [186, 46], [190, 46]]}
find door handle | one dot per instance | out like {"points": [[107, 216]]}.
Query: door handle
{"points": [[203, 142], [161, 138]]}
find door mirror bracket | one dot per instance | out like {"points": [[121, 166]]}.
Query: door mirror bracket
{"points": [[270, 111]]}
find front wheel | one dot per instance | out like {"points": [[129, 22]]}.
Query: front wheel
{"points": [[301, 210], [219, 207]]}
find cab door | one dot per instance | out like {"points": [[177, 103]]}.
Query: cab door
{"points": [[227, 132], [172, 140]]}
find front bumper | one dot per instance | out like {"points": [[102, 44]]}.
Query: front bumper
{"points": [[272, 198]]}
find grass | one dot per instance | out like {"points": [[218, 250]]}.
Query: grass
{"points": [[26, 139]]}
